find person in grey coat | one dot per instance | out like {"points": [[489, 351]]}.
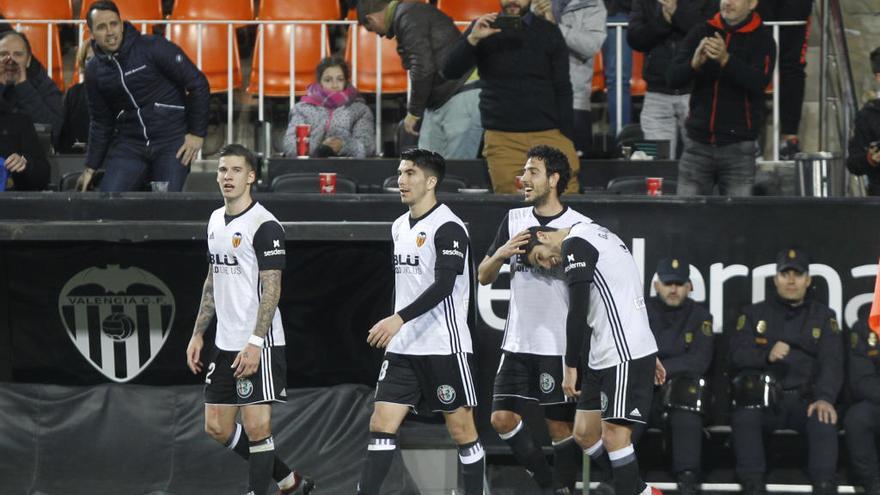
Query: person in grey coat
{"points": [[341, 123], [582, 23]]}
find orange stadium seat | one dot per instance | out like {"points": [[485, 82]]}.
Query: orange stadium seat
{"points": [[468, 10], [132, 9], [37, 34], [637, 85], [394, 76], [276, 39], [214, 37]]}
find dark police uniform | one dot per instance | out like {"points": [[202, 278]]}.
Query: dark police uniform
{"points": [[685, 342], [862, 421], [812, 371]]}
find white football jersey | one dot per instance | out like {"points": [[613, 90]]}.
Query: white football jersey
{"points": [[538, 298], [238, 248], [444, 328], [617, 313]]}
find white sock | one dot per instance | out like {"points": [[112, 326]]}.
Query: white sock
{"points": [[287, 482]]}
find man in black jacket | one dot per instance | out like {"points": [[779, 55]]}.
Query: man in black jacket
{"points": [[28, 88], [27, 168], [447, 109], [683, 331], [526, 98], [793, 341], [148, 103], [729, 61], [864, 145], [862, 422], [657, 28]]}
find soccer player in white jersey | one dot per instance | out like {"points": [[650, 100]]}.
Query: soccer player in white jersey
{"points": [[428, 352], [531, 367], [606, 303], [247, 370]]}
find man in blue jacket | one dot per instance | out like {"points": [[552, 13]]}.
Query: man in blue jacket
{"points": [[148, 102]]}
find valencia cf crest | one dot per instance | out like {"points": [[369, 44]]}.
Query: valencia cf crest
{"points": [[420, 239], [236, 239], [118, 318]]}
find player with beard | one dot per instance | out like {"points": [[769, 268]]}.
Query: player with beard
{"points": [[531, 366]]}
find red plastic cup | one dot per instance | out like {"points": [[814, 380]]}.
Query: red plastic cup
{"points": [[302, 140], [654, 186], [327, 182]]}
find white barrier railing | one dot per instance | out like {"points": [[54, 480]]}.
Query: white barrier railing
{"points": [[231, 24]]}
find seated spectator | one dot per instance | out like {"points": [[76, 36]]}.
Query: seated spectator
{"points": [[864, 145], [28, 88], [74, 132], [340, 122], [27, 168]]}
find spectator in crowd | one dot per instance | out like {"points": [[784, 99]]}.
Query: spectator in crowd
{"points": [[340, 123], [864, 145], [21, 155], [148, 103], [75, 129], [582, 23], [728, 61], [618, 11], [446, 109], [789, 343], [28, 88], [656, 28], [792, 65], [862, 422], [526, 98], [683, 331]]}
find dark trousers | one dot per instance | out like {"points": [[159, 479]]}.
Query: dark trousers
{"points": [[682, 429], [751, 425], [862, 424], [130, 164], [792, 56]]}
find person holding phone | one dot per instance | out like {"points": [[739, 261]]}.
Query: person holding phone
{"points": [[864, 145]]}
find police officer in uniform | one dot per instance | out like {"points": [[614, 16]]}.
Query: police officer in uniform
{"points": [[683, 331], [792, 342], [862, 421]]}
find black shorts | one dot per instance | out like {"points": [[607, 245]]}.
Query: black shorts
{"points": [[268, 384], [440, 383], [523, 377], [622, 392]]}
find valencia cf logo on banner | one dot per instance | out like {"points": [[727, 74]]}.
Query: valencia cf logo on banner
{"points": [[420, 239], [118, 318], [236, 239]]}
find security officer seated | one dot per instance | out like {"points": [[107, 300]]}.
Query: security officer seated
{"points": [[862, 421], [786, 362], [683, 331]]}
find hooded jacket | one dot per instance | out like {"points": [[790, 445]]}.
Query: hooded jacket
{"points": [[649, 32], [148, 91], [866, 131], [727, 103]]}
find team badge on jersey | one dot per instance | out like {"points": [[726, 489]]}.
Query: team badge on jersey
{"points": [[420, 239], [446, 394], [236, 239], [118, 318], [244, 388], [546, 382], [603, 401]]}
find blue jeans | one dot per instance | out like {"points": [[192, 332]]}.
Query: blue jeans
{"points": [[703, 166], [455, 129], [609, 58], [129, 165]]}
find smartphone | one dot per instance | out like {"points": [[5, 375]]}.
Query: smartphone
{"points": [[507, 22]]}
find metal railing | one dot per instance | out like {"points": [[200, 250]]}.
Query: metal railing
{"points": [[232, 24]]}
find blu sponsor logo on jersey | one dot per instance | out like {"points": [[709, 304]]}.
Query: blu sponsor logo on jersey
{"points": [[407, 263], [224, 264], [455, 251], [446, 394], [118, 318], [276, 249]]}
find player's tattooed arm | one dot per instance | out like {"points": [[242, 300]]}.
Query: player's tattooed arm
{"points": [[206, 306], [270, 281]]}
